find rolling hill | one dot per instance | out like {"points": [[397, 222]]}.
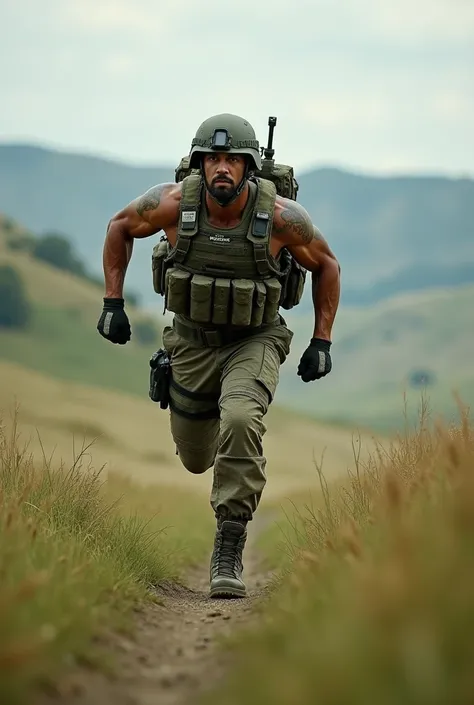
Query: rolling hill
{"points": [[414, 342], [62, 339], [390, 234], [402, 232]]}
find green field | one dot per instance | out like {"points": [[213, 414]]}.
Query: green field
{"points": [[79, 547], [62, 343], [61, 339], [375, 351], [78, 552], [376, 600]]}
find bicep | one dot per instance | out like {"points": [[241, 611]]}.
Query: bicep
{"points": [[313, 254], [147, 214]]}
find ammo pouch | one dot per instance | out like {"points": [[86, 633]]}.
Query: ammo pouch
{"points": [[220, 310], [160, 377], [236, 302], [160, 252], [200, 305], [242, 302], [272, 300], [293, 280], [177, 291]]}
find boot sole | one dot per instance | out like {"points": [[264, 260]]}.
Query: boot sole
{"points": [[227, 593]]}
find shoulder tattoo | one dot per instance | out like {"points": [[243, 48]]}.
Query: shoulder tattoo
{"points": [[150, 200], [296, 221]]}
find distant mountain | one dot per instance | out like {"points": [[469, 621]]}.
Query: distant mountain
{"points": [[390, 234], [413, 278], [77, 195]]}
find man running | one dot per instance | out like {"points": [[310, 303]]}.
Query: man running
{"points": [[227, 239]]}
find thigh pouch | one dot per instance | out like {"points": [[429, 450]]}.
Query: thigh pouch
{"points": [[197, 406]]}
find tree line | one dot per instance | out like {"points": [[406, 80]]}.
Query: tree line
{"points": [[16, 310]]}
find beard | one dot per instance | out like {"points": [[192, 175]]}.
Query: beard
{"points": [[222, 193]]}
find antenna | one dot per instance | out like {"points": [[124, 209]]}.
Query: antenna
{"points": [[268, 151]]}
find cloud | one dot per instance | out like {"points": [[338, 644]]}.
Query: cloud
{"points": [[143, 18], [452, 106], [357, 82], [427, 22]]}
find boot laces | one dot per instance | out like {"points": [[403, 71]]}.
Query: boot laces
{"points": [[227, 553]]}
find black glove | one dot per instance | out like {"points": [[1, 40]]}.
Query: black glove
{"points": [[113, 323], [315, 361]]}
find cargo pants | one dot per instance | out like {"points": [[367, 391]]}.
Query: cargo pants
{"points": [[219, 397]]}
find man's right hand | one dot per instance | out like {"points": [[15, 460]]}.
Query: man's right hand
{"points": [[113, 324]]}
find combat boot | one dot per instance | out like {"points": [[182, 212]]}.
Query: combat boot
{"points": [[226, 560]]}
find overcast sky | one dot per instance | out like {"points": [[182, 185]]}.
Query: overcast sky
{"points": [[371, 85]]}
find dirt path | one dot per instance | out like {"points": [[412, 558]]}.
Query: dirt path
{"points": [[174, 655]]}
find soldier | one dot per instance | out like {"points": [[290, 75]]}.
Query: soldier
{"points": [[230, 245]]}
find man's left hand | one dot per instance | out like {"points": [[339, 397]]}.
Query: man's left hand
{"points": [[113, 323], [315, 361]]}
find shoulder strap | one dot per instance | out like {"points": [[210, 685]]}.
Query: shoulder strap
{"points": [[189, 205], [262, 220], [188, 223], [261, 224]]}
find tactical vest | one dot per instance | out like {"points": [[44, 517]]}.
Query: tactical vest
{"points": [[225, 276]]}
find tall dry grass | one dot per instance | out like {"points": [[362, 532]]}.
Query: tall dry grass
{"points": [[377, 602], [75, 556]]}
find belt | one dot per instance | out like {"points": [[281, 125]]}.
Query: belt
{"points": [[214, 337]]}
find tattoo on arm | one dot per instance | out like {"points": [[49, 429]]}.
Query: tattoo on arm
{"points": [[150, 200], [297, 222]]}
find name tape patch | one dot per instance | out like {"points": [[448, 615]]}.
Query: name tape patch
{"points": [[219, 238]]}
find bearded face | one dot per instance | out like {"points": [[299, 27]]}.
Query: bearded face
{"points": [[224, 175]]}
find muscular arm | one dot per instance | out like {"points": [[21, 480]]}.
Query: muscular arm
{"points": [[156, 209], [295, 231]]}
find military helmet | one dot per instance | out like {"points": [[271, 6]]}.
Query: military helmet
{"points": [[225, 133]]}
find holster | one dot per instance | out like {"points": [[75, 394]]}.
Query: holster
{"points": [[160, 377]]}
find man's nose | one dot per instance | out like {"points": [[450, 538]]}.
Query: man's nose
{"points": [[222, 166]]}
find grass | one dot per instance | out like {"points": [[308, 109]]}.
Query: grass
{"points": [[375, 604], [186, 521], [76, 555], [66, 346]]}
